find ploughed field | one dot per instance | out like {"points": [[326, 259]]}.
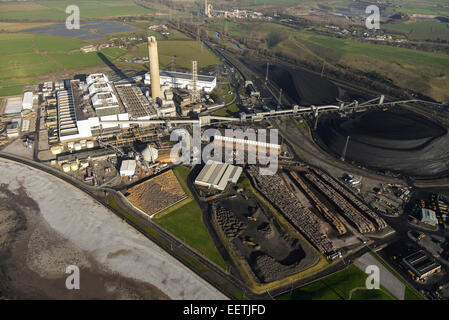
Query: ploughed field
{"points": [[395, 140]]}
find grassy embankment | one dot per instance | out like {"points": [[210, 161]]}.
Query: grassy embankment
{"points": [[185, 221], [348, 284]]}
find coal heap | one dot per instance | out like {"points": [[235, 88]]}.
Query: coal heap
{"points": [[395, 140]]}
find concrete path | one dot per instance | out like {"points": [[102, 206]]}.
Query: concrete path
{"points": [[387, 279]]}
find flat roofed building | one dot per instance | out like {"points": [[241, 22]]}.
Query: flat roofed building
{"points": [[181, 80], [136, 104], [217, 175], [13, 107], [421, 265], [96, 77], [429, 217], [128, 168], [12, 128], [27, 103]]}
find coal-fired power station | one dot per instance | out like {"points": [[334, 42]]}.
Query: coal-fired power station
{"points": [[154, 69]]}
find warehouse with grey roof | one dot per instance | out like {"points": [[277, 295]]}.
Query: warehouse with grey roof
{"points": [[217, 175]]}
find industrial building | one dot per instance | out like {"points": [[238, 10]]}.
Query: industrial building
{"points": [[429, 217], [128, 168], [76, 122], [420, 266], [217, 175], [246, 144], [13, 107], [181, 80], [27, 103], [136, 103], [12, 128]]}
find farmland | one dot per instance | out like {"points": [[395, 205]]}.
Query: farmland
{"points": [[170, 55], [23, 57], [422, 30], [55, 11]]}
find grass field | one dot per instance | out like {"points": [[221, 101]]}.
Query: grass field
{"points": [[231, 111], [23, 57], [347, 284], [182, 53], [186, 222], [422, 30], [55, 10]]}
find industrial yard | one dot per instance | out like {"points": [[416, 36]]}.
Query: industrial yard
{"points": [[156, 194], [269, 253], [196, 164]]}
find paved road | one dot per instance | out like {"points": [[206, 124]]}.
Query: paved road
{"points": [[387, 279]]}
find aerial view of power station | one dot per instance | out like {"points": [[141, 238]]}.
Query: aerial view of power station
{"points": [[224, 150]]}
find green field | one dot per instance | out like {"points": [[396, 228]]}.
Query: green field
{"points": [[178, 54], [55, 10], [231, 111], [24, 57], [422, 30], [186, 222], [343, 285]]}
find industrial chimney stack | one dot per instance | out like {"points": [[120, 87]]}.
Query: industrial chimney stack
{"points": [[154, 69]]}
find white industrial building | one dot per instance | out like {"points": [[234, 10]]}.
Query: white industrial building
{"points": [[13, 107], [182, 80], [96, 77], [246, 143], [74, 124], [27, 103], [217, 175], [128, 168], [429, 217]]}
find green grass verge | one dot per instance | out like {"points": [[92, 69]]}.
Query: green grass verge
{"points": [[337, 287], [186, 222], [231, 111]]}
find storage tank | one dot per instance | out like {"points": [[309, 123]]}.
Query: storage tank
{"points": [[57, 150], [90, 144], [66, 167], [84, 165], [150, 154], [74, 166]]}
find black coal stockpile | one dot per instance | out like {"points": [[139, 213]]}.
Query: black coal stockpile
{"points": [[396, 140], [305, 88]]}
